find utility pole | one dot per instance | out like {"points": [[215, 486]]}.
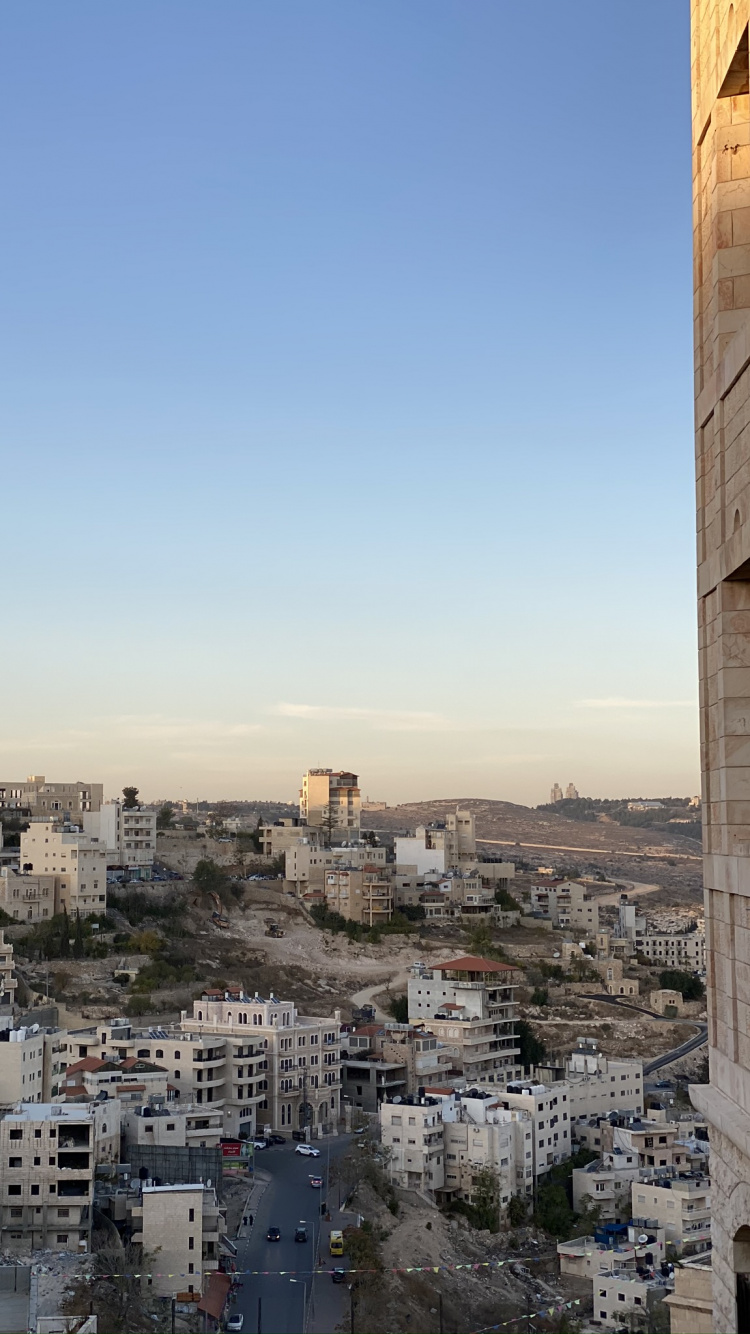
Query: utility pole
{"points": [[173, 1313], [259, 1325], [440, 1312], [351, 1308]]}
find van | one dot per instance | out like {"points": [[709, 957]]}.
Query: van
{"points": [[337, 1242]]}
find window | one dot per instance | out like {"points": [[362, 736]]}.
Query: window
{"points": [[191, 1243], [62, 1238], [63, 1213], [14, 1190], [35, 1190], [16, 1213], [191, 1215], [15, 1162]]}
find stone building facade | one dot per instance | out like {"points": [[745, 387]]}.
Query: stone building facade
{"points": [[721, 194]]}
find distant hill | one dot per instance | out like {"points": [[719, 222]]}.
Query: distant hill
{"points": [[509, 823]]}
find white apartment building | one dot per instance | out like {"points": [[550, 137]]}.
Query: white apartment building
{"points": [[181, 1227], [681, 1202], [599, 1084], [128, 835], [8, 982], [49, 1153], [331, 801], [470, 1004], [549, 1109], [412, 1131], [439, 846], [77, 861], [49, 801], [685, 950], [585, 1258]]}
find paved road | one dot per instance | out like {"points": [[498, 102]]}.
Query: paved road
{"points": [[684, 1048], [596, 852], [292, 1301]]}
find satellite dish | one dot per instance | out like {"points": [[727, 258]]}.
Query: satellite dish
{"points": [[397, 1098], [643, 1238]]}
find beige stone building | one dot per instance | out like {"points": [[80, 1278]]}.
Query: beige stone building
{"points": [[77, 861], [8, 982], [48, 801], [277, 838], [364, 896], [439, 846], [412, 1131], [666, 1002], [31, 1060], [171, 1124], [128, 835], [331, 801], [181, 1228], [721, 196], [49, 1154], [681, 1202], [26, 897], [306, 863], [690, 1305]]}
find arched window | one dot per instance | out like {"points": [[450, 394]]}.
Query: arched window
{"points": [[200, 1014], [144, 1053], [159, 1054]]}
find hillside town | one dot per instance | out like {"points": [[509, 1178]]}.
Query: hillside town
{"points": [[512, 1078]]}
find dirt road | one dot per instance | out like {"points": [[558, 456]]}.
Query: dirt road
{"points": [[593, 852]]}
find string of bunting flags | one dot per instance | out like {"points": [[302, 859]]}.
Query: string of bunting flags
{"points": [[531, 1315]]}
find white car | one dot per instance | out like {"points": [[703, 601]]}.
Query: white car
{"points": [[235, 1322], [260, 1144], [307, 1150]]}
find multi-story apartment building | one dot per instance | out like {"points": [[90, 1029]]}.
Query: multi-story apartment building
{"points": [[382, 1061], [606, 1183], [180, 1228], [40, 800], [684, 950], [331, 801], [128, 835], [364, 896], [584, 1258], [30, 1063], [278, 838], [548, 1107], [26, 897], [134, 1079], [49, 1153], [170, 1125], [8, 982], [412, 1132], [598, 1084], [258, 1061], [623, 1296], [477, 1133], [306, 863], [681, 1202], [567, 905], [655, 1143], [470, 1004], [77, 861], [439, 846]]}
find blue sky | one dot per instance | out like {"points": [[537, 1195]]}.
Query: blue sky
{"points": [[346, 406]]}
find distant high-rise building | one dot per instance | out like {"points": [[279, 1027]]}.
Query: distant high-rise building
{"points": [[571, 792], [556, 794], [331, 800]]}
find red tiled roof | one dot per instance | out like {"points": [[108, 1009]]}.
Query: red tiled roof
{"points": [[472, 963], [87, 1063], [215, 1296], [451, 1006]]}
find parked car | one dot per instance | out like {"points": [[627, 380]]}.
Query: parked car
{"points": [[276, 1139], [273, 1234], [317, 1182], [300, 1234], [235, 1322], [338, 1275], [260, 1144], [307, 1151]]}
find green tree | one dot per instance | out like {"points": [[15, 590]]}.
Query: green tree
{"points": [[517, 1211], [533, 1050], [506, 901], [540, 996], [64, 935], [78, 945], [165, 817], [485, 1199], [131, 798], [210, 877], [673, 979], [398, 1006], [553, 1212]]}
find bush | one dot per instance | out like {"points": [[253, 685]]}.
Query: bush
{"points": [[540, 996], [398, 1006], [138, 1005], [691, 987]]}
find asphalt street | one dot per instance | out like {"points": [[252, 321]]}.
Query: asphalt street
{"points": [[291, 1298]]}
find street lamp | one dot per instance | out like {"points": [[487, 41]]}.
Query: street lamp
{"points": [[303, 1326]]}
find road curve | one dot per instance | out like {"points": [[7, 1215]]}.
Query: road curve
{"points": [[701, 1034]]}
